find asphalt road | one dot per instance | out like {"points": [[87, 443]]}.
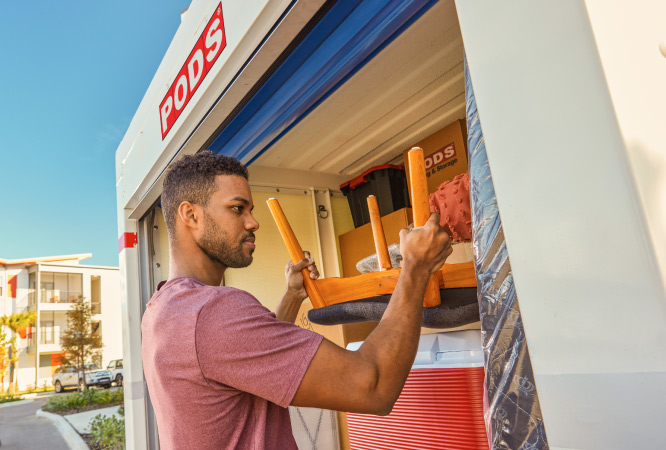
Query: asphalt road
{"points": [[21, 429]]}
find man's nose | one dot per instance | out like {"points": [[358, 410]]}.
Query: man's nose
{"points": [[252, 224]]}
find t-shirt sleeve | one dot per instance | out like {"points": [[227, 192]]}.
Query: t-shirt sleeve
{"points": [[241, 344]]}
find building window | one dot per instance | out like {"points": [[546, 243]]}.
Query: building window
{"points": [[96, 294], [32, 296], [60, 287], [47, 333], [97, 331], [97, 328], [46, 328]]}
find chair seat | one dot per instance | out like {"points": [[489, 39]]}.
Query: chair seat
{"points": [[459, 306]]}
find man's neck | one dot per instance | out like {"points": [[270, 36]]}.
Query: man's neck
{"points": [[195, 264]]}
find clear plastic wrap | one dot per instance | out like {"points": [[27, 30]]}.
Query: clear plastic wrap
{"points": [[513, 415]]}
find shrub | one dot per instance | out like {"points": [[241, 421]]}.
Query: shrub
{"points": [[79, 400], [108, 432], [65, 402], [6, 398]]}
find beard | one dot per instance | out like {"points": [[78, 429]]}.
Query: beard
{"points": [[215, 244]]}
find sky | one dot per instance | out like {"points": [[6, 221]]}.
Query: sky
{"points": [[73, 75]]}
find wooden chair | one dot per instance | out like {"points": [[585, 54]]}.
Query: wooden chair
{"points": [[331, 291]]}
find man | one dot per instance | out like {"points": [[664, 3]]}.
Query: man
{"points": [[221, 368]]}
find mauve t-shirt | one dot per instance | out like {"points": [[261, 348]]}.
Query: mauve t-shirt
{"points": [[221, 368]]}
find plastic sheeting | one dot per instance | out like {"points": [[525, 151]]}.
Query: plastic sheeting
{"points": [[513, 415]]}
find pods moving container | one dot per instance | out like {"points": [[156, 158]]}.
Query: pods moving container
{"points": [[569, 96]]}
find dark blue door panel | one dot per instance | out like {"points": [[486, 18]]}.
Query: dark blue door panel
{"points": [[344, 40]]}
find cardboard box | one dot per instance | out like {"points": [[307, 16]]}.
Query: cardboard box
{"points": [[445, 154], [359, 243], [338, 334]]}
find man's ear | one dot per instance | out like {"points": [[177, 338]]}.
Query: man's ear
{"points": [[190, 215]]}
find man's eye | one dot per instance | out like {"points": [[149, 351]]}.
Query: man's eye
{"points": [[238, 209]]}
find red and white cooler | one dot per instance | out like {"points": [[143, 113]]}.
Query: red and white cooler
{"points": [[441, 405]]}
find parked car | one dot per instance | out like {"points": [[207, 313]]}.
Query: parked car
{"points": [[68, 377], [116, 369]]}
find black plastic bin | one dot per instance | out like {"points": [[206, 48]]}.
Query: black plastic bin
{"points": [[387, 182]]}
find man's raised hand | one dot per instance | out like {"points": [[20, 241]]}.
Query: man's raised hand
{"points": [[294, 276], [427, 246]]}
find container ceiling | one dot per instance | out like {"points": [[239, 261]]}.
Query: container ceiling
{"points": [[411, 89]]}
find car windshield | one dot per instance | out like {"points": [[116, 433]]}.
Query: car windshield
{"points": [[92, 367]]}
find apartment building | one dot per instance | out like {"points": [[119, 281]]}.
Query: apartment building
{"points": [[48, 286]]}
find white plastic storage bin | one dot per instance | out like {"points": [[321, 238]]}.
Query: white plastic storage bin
{"points": [[441, 405]]}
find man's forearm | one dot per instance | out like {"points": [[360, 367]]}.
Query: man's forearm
{"points": [[287, 309], [393, 344], [370, 380]]}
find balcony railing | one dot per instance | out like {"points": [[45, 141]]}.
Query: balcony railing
{"points": [[58, 296], [54, 338], [32, 297], [44, 339]]}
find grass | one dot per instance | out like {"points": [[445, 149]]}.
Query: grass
{"points": [[38, 390], [16, 396], [6, 398], [83, 401]]}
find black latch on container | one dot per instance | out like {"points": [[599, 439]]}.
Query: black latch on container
{"points": [[386, 182]]}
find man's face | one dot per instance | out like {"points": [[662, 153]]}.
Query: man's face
{"points": [[228, 234]]}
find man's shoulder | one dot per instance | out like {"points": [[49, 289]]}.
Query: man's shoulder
{"points": [[184, 295], [225, 297], [192, 286]]}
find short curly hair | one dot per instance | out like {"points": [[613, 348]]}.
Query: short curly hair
{"points": [[192, 179]]}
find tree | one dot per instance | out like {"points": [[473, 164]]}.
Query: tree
{"points": [[16, 322], [79, 343]]}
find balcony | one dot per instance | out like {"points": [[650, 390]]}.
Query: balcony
{"points": [[49, 348], [57, 290], [57, 300], [58, 296], [49, 341]]}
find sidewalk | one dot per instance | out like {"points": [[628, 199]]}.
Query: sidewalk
{"points": [[72, 425], [81, 421]]}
